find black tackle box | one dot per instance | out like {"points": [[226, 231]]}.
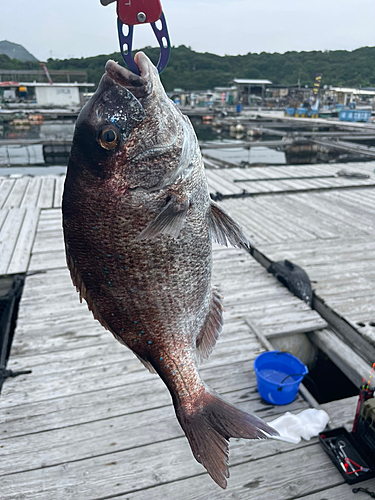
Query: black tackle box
{"points": [[358, 446]]}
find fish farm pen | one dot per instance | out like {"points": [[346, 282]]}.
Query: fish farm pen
{"points": [[84, 420]]}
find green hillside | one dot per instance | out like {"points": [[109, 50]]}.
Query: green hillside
{"points": [[192, 70], [16, 51]]}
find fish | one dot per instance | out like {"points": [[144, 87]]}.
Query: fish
{"points": [[138, 226]]}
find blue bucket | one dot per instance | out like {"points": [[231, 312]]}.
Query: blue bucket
{"points": [[278, 376]]}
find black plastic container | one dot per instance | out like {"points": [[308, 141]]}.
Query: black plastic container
{"points": [[330, 441]]}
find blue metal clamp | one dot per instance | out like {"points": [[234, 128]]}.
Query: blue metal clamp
{"points": [[126, 44]]}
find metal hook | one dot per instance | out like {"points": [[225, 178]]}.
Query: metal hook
{"points": [[162, 36], [126, 44]]}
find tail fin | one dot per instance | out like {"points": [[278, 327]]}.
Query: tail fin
{"points": [[210, 423]]}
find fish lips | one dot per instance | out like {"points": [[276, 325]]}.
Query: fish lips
{"points": [[116, 104], [123, 94], [139, 85]]}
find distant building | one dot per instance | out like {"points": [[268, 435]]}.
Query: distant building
{"points": [[225, 94], [58, 94], [45, 94], [346, 95], [249, 91]]}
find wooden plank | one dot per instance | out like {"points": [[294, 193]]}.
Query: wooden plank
{"points": [[104, 365], [77, 442], [6, 188], [17, 193], [47, 192], [51, 223], [295, 212], [9, 235], [306, 329], [314, 249], [117, 434], [254, 227], [341, 412], [32, 192], [334, 267], [59, 188], [3, 216], [43, 261], [342, 216], [51, 213], [343, 492], [125, 399], [216, 183], [222, 180], [128, 471], [294, 474], [22, 252], [49, 241], [126, 370]]}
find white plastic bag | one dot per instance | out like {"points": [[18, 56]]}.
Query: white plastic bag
{"points": [[305, 425]]}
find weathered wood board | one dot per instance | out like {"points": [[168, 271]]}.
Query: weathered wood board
{"points": [[330, 235], [17, 231], [90, 422], [89, 406], [277, 179]]}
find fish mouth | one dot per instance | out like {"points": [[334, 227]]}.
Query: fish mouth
{"points": [[139, 85]]}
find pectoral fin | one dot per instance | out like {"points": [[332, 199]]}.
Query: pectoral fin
{"points": [[169, 222], [225, 230]]}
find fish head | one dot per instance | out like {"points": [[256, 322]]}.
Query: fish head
{"points": [[130, 133]]}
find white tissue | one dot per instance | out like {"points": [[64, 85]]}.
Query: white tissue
{"points": [[305, 425]]}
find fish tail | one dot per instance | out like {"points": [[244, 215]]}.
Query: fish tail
{"points": [[209, 424]]}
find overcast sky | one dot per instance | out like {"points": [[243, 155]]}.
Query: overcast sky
{"points": [[76, 28]]}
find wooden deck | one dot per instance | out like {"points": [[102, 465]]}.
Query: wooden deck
{"points": [[91, 423], [21, 199], [331, 235], [272, 180]]}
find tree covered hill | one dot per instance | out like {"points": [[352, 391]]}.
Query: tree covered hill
{"points": [[192, 70], [16, 51]]}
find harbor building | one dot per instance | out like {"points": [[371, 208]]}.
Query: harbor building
{"points": [[250, 90], [45, 94]]}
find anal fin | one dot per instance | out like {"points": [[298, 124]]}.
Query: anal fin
{"points": [[212, 327], [225, 230], [169, 222]]}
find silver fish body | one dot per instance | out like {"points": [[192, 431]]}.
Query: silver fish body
{"points": [[138, 226]]}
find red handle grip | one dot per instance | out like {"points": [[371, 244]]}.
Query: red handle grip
{"points": [[133, 12]]}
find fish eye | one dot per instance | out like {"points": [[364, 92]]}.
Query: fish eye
{"points": [[108, 137]]}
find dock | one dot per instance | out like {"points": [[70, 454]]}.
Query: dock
{"points": [[90, 423], [303, 140]]}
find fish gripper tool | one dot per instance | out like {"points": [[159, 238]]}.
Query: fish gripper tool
{"points": [[133, 12]]}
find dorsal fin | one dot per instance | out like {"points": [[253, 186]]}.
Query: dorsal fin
{"points": [[225, 230], [212, 327]]}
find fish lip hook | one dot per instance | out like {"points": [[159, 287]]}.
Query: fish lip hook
{"points": [[126, 44]]}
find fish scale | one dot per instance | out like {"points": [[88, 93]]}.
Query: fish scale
{"points": [[138, 227]]}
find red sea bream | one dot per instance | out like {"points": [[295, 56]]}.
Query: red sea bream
{"points": [[138, 226]]}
